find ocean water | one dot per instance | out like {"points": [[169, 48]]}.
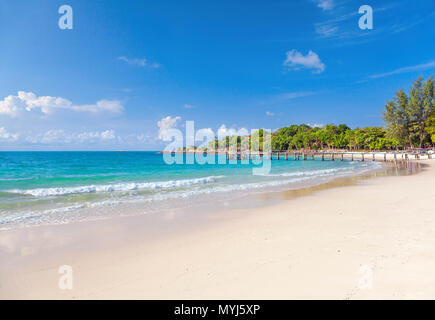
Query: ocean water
{"points": [[51, 187]]}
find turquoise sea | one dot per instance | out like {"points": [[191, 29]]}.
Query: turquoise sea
{"points": [[52, 187]]}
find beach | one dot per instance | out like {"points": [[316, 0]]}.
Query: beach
{"points": [[217, 151], [372, 239]]}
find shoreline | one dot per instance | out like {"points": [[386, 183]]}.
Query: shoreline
{"points": [[239, 194], [122, 258]]}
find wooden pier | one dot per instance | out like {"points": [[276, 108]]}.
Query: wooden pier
{"points": [[327, 156], [313, 155]]}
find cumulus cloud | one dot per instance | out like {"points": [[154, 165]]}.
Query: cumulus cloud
{"points": [[205, 132], [296, 60], [11, 105], [142, 137], [136, 139], [109, 106], [269, 114], [108, 135], [94, 136], [7, 136], [325, 4], [51, 136], [60, 136], [223, 131], [28, 101], [140, 62], [165, 125]]}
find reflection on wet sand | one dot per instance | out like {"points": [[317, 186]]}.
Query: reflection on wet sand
{"points": [[401, 168]]}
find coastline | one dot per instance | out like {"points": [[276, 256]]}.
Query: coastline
{"points": [[309, 247], [78, 200]]}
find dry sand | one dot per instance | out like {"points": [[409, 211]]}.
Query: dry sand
{"points": [[372, 240]]}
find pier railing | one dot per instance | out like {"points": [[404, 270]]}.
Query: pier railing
{"points": [[316, 155]]}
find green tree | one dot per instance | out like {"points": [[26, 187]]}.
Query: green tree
{"points": [[297, 141], [422, 101], [430, 126], [407, 116], [397, 117]]}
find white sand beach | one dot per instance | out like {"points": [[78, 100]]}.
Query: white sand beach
{"points": [[372, 240]]}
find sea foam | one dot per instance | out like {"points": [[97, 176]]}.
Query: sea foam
{"points": [[132, 186]]}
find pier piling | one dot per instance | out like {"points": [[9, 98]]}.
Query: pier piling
{"points": [[332, 156]]}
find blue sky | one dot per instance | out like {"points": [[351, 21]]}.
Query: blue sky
{"points": [[128, 67]]}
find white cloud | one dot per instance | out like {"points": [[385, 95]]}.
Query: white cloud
{"points": [[7, 136], [316, 125], [269, 114], [166, 124], [11, 105], [108, 135], [325, 4], [294, 95], [50, 136], [206, 131], [110, 106], [223, 131], [60, 136], [141, 62], [138, 62], [189, 106], [341, 25], [93, 136], [141, 138], [85, 138], [53, 136], [28, 101], [423, 66], [137, 139], [297, 60], [326, 30]]}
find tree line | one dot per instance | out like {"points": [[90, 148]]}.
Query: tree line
{"points": [[332, 137]]}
